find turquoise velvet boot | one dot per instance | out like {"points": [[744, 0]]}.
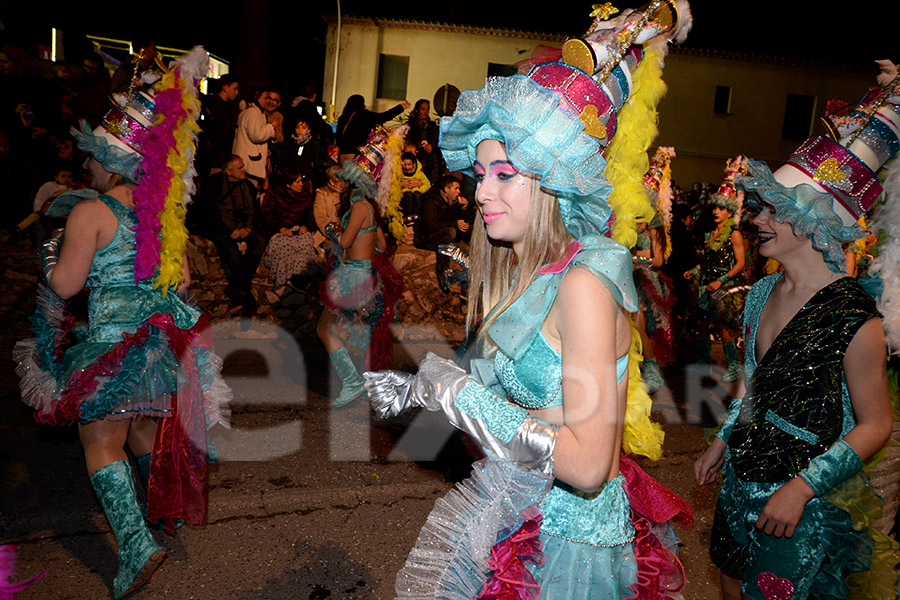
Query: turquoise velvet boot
{"points": [[652, 377], [352, 382], [139, 554]]}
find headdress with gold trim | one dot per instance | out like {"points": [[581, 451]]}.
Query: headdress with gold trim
{"points": [[831, 181], [582, 117], [149, 137], [727, 195]]}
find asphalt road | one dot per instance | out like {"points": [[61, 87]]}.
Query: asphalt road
{"points": [[305, 502]]}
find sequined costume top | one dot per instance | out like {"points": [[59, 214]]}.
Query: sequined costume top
{"points": [[797, 403], [726, 303], [530, 373], [718, 257], [117, 304]]}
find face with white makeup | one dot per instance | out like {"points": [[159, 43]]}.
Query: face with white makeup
{"points": [[776, 239], [503, 194]]}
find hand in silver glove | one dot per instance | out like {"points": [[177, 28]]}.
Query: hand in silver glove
{"points": [[506, 430], [390, 392], [50, 253]]}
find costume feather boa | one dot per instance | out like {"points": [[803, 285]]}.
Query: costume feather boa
{"points": [[389, 190], [627, 153], [641, 435], [166, 186]]}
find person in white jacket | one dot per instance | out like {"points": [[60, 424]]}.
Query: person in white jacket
{"points": [[255, 127]]}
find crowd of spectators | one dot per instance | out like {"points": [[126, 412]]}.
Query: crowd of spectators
{"points": [[266, 161], [267, 164]]}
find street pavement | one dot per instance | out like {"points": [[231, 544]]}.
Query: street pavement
{"points": [[305, 502]]}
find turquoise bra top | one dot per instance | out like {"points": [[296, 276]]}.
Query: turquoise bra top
{"points": [[525, 368], [535, 379], [370, 229]]}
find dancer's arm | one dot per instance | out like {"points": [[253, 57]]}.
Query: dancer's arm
{"points": [[80, 242], [865, 369], [585, 316]]}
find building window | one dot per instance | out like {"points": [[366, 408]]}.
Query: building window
{"points": [[722, 102], [393, 72], [799, 111], [498, 70]]}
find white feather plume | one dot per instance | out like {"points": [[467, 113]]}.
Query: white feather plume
{"points": [[886, 222], [192, 67], [888, 72]]}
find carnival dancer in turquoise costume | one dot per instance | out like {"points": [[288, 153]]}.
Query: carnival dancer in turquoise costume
{"points": [[796, 513], [556, 509], [362, 286], [719, 276], [141, 371], [654, 288]]}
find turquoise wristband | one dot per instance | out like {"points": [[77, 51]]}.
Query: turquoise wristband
{"points": [[734, 409], [832, 468]]}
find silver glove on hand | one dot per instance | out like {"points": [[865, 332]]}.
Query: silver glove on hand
{"points": [[390, 392], [50, 252], [487, 418]]}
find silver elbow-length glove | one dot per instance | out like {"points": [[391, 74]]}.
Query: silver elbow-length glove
{"points": [[504, 429], [50, 253]]}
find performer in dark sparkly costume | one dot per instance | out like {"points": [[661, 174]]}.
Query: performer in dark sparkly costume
{"points": [[720, 287], [796, 513]]}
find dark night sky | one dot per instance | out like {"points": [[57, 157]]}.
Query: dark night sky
{"points": [[793, 29]]}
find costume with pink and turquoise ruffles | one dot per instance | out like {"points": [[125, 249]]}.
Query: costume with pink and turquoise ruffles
{"points": [[507, 533], [139, 353]]}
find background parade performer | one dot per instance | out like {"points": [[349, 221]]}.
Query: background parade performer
{"points": [[141, 372]]}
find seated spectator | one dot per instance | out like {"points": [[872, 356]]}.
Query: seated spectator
{"points": [[414, 184], [444, 226], [227, 214], [332, 200], [287, 214], [442, 219], [61, 182], [19, 181]]}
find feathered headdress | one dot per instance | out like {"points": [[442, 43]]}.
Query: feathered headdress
{"points": [[659, 181], [375, 173], [150, 137]]}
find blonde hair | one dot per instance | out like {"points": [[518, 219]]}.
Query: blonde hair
{"points": [[498, 275], [115, 180]]}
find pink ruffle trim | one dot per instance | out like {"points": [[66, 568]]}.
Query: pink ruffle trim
{"points": [[511, 579], [561, 265], [660, 573]]}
